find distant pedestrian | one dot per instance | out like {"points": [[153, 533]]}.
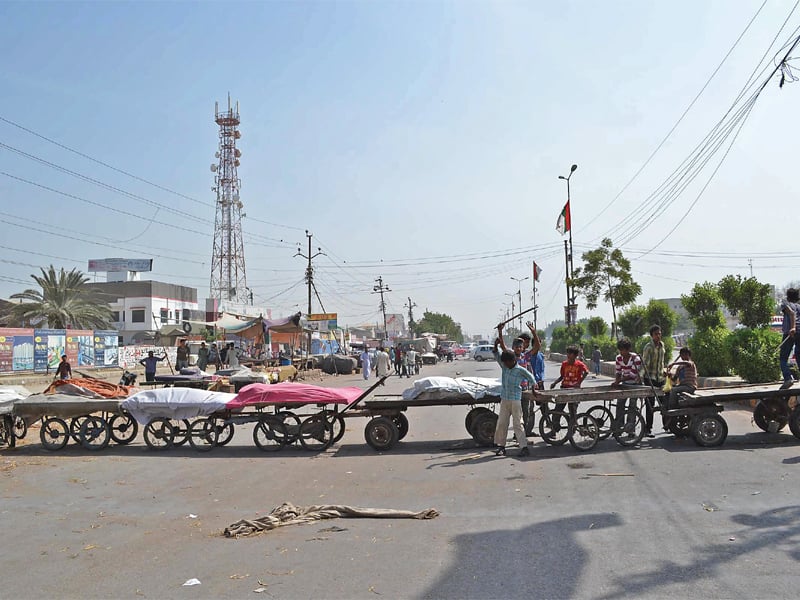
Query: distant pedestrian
{"points": [[597, 358], [398, 361], [790, 307], [382, 363], [182, 357], [233, 356], [150, 365], [213, 356], [202, 356], [223, 356], [64, 369], [413, 369], [366, 363]]}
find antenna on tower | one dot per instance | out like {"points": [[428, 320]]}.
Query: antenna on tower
{"points": [[228, 278]]}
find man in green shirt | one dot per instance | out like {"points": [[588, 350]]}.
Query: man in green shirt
{"points": [[653, 360]]}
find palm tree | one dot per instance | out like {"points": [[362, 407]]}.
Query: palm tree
{"points": [[64, 301]]}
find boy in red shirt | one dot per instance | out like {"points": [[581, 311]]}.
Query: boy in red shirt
{"points": [[573, 371]]}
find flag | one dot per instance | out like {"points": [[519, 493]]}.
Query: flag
{"points": [[564, 220], [537, 270]]}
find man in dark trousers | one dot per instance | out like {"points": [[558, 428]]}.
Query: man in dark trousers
{"points": [[150, 365], [64, 369], [182, 358]]}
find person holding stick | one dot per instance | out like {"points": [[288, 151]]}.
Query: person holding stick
{"points": [[790, 307], [512, 378]]}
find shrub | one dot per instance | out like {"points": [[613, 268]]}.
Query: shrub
{"points": [[597, 327], [710, 352], [754, 354], [633, 322], [566, 336]]}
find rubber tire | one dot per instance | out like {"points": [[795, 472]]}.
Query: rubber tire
{"points": [[546, 430], [794, 421], [587, 426], [54, 433], [225, 433], [381, 433], [604, 418], [401, 421], [291, 424], [203, 435], [75, 425], [181, 432], [127, 427], [316, 433], [273, 432], [483, 428], [19, 429], [709, 430], [93, 429], [479, 359], [622, 437], [159, 434], [762, 415], [337, 424], [680, 426], [470, 418]]}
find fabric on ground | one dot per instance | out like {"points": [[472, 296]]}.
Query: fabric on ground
{"points": [[292, 393], [441, 387], [175, 403], [288, 514]]}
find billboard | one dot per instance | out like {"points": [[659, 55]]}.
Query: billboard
{"points": [[106, 348], [323, 322], [80, 347], [16, 350], [48, 347], [120, 264], [40, 350]]}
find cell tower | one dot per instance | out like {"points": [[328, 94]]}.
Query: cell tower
{"points": [[228, 279]]}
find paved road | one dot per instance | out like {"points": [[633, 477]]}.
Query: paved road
{"points": [[686, 522]]}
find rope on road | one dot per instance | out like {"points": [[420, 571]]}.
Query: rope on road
{"points": [[289, 514]]}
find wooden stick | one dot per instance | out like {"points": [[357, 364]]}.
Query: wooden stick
{"points": [[517, 316], [610, 475]]}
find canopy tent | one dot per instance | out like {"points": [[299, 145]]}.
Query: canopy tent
{"points": [[255, 327]]}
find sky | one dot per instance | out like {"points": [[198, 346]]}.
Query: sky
{"points": [[417, 141]]}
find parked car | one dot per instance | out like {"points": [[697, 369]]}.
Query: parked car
{"points": [[459, 350], [483, 352]]}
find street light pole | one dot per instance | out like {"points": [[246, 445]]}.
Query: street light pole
{"points": [[519, 295], [570, 267]]}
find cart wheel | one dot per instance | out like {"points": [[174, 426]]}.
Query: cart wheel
{"points": [[709, 430], [794, 421], [159, 434], [225, 434], [584, 433], [316, 433], [269, 434], [291, 424], [54, 433], [20, 428], [95, 433], [632, 432], [381, 433], [203, 434], [469, 421], [401, 422], [181, 432], [604, 418], [7, 431], [770, 416], [336, 422], [123, 428], [483, 428], [75, 425], [554, 427], [679, 426]]}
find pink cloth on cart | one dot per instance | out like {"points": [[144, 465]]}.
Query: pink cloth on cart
{"points": [[292, 393]]}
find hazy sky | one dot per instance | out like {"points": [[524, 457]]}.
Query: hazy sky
{"points": [[420, 141]]}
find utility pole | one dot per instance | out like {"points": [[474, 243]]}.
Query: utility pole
{"points": [[410, 306], [750, 262], [309, 279], [380, 288], [519, 295], [568, 252]]}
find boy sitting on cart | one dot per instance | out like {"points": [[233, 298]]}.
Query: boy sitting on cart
{"points": [[683, 374]]}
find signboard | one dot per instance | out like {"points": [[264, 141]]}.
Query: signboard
{"points": [[120, 264], [16, 350], [80, 348], [323, 322], [106, 348], [48, 347]]}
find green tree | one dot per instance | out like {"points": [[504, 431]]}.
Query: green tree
{"points": [[659, 313], [748, 299], [703, 304], [63, 301], [566, 336], [606, 274], [432, 322], [710, 351], [633, 322], [754, 354], [596, 326]]}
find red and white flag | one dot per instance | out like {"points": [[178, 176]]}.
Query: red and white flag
{"points": [[564, 220], [537, 270]]}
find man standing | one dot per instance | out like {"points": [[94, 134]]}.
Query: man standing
{"points": [[366, 363], [233, 356], [213, 356], [412, 362], [202, 356], [653, 360], [398, 360], [382, 363], [150, 365], [790, 308], [597, 357], [64, 369], [182, 359]]}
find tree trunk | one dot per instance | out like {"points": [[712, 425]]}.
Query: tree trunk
{"points": [[613, 309]]}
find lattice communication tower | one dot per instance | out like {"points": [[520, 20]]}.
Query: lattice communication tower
{"points": [[228, 279]]}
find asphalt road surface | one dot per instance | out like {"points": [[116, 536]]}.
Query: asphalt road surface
{"points": [[666, 519]]}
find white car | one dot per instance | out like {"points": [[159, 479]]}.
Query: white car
{"points": [[481, 353]]}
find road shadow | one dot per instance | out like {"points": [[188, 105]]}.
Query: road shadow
{"points": [[541, 561], [777, 530]]}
